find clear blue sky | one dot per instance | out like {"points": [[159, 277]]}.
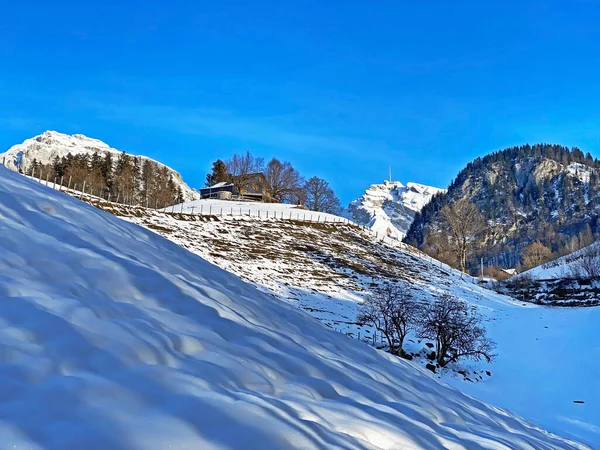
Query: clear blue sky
{"points": [[342, 89]]}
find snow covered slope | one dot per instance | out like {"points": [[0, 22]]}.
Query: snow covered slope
{"points": [[327, 269], [389, 208], [572, 280], [570, 265], [45, 147], [113, 337]]}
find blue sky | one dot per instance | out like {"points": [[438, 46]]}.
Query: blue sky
{"points": [[342, 89]]}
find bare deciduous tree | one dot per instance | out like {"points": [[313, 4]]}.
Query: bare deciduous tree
{"points": [[392, 311], [242, 167], [283, 180], [463, 221], [535, 255], [457, 330], [320, 197]]}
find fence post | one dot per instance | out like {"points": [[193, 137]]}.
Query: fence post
{"points": [[61, 183], [40, 179], [182, 208], [47, 176], [210, 210], [54, 187], [193, 210], [83, 190]]}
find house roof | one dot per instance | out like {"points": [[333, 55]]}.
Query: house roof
{"points": [[221, 184]]}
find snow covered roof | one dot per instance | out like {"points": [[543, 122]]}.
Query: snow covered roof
{"points": [[221, 184]]}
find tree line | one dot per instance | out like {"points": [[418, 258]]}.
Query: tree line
{"points": [[126, 179], [283, 182], [456, 328]]}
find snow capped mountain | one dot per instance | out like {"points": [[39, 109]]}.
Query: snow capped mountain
{"points": [[50, 144], [390, 208], [113, 337]]}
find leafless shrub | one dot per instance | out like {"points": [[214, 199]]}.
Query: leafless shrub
{"points": [[392, 310], [457, 330]]}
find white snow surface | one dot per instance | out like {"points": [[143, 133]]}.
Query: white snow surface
{"points": [[113, 337], [50, 144], [213, 207], [547, 357], [389, 208], [580, 171], [563, 266]]}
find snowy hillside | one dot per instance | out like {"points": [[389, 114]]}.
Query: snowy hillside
{"points": [[572, 280], [327, 269], [569, 266], [113, 337], [50, 144], [389, 208]]}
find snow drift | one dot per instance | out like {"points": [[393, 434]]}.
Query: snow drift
{"points": [[113, 337]]}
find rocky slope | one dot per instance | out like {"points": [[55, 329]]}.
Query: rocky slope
{"points": [[544, 193], [51, 144], [389, 208]]}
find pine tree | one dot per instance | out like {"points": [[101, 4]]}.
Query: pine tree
{"points": [[218, 173]]}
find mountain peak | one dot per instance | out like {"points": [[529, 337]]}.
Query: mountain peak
{"points": [[45, 147], [389, 207]]}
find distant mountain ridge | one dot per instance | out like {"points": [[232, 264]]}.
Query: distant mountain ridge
{"points": [[544, 193], [389, 208], [45, 147]]}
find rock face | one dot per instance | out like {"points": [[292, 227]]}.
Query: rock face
{"points": [[390, 208], [50, 144], [541, 193]]}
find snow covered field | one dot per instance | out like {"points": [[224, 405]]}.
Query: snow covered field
{"points": [[547, 357], [113, 337], [208, 207]]}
